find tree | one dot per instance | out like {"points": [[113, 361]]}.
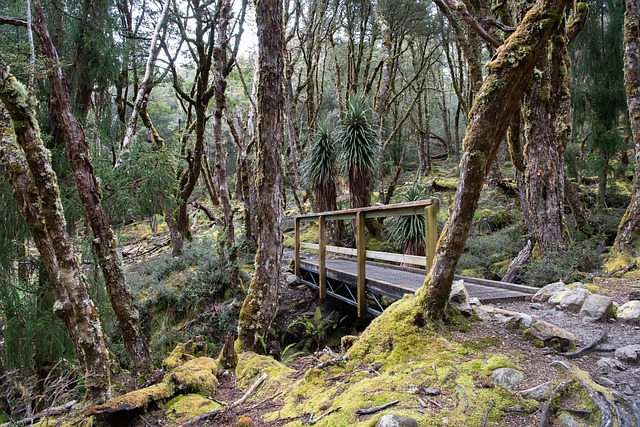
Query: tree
{"points": [[104, 243], [26, 166], [629, 229], [499, 97], [261, 300]]}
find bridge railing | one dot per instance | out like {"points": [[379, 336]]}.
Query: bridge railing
{"points": [[428, 207]]}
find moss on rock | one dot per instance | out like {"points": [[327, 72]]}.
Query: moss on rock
{"points": [[195, 376], [187, 406], [182, 353], [251, 365]]}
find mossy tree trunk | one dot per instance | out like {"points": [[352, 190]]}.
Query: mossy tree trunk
{"points": [[90, 194], [629, 229], [24, 162], [499, 98], [261, 300]]}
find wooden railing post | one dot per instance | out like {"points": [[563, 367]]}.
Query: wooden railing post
{"points": [[296, 244], [322, 256], [361, 247], [431, 233]]}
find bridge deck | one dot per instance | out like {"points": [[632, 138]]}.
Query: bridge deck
{"points": [[394, 281]]}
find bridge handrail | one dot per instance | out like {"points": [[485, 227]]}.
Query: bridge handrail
{"points": [[428, 207]]}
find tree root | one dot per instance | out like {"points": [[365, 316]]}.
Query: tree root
{"points": [[464, 396], [485, 418], [586, 348], [312, 420], [545, 410], [602, 402]]}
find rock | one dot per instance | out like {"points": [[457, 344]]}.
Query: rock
{"points": [[536, 306], [475, 301], [609, 363], [519, 321], [482, 313], [293, 280], [634, 295], [628, 390], [507, 377], [545, 293], [393, 420], [570, 301], [459, 297], [430, 391], [576, 285], [605, 382], [552, 335], [539, 392], [629, 312], [628, 353], [569, 421], [595, 307], [195, 376], [347, 341]]}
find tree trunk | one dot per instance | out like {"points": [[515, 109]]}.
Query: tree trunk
{"points": [[495, 104], [517, 159], [34, 183], [629, 229], [262, 298], [544, 153], [90, 195]]}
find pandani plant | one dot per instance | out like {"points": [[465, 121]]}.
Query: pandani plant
{"points": [[409, 230]]}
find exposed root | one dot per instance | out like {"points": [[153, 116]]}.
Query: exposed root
{"points": [[486, 415], [312, 420], [546, 408], [586, 348], [464, 396], [376, 409]]}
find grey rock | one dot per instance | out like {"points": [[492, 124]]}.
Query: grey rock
{"points": [[536, 306], [545, 293], [605, 364], [576, 285], [539, 392], [482, 313], [552, 335], [595, 307], [459, 297], [507, 377], [629, 312], [556, 297], [430, 391], [293, 280], [628, 390], [393, 420], [569, 421], [605, 382], [572, 300], [475, 301], [628, 353], [519, 321]]}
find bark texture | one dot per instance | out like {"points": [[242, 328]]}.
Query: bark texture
{"points": [[260, 302], [26, 167], [629, 229], [499, 98], [104, 244]]}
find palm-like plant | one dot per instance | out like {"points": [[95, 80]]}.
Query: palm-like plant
{"points": [[409, 230], [319, 166], [359, 150]]}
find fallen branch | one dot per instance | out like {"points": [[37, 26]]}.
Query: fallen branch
{"points": [[586, 348], [634, 407], [464, 395], [376, 409], [254, 406], [51, 412], [312, 421], [251, 390], [546, 408], [332, 362]]}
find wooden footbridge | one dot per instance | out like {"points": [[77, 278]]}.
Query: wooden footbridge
{"points": [[354, 278]]}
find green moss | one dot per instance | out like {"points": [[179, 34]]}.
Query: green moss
{"points": [[138, 399], [616, 261], [251, 365], [185, 407], [182, 353], [195, 376]]}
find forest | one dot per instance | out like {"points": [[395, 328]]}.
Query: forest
{"points": [[155, 154]]}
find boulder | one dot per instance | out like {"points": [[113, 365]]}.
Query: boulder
{"points": [[519, 321], [459, 297], [629, 312], [539, 392], [507, 377], [571, 300], [605, 364], [293, 280], [552, 335], [595, 308], [393, 420], [545, 293], [628, 353], [195, 376]]}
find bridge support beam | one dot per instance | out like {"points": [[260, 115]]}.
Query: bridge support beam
{"points": [[431, 233], [322, 255], [361, 246]]}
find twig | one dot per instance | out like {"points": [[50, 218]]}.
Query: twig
{"points": [[376, 409], [544, 418], [586, 348], [254, 406], [251, 390], [486, 415], [422, 402], [47, 413], [312, 421]]}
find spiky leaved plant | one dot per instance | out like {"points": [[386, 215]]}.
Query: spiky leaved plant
{"points": [[359, 151], [409, 229], [319, 166]]}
